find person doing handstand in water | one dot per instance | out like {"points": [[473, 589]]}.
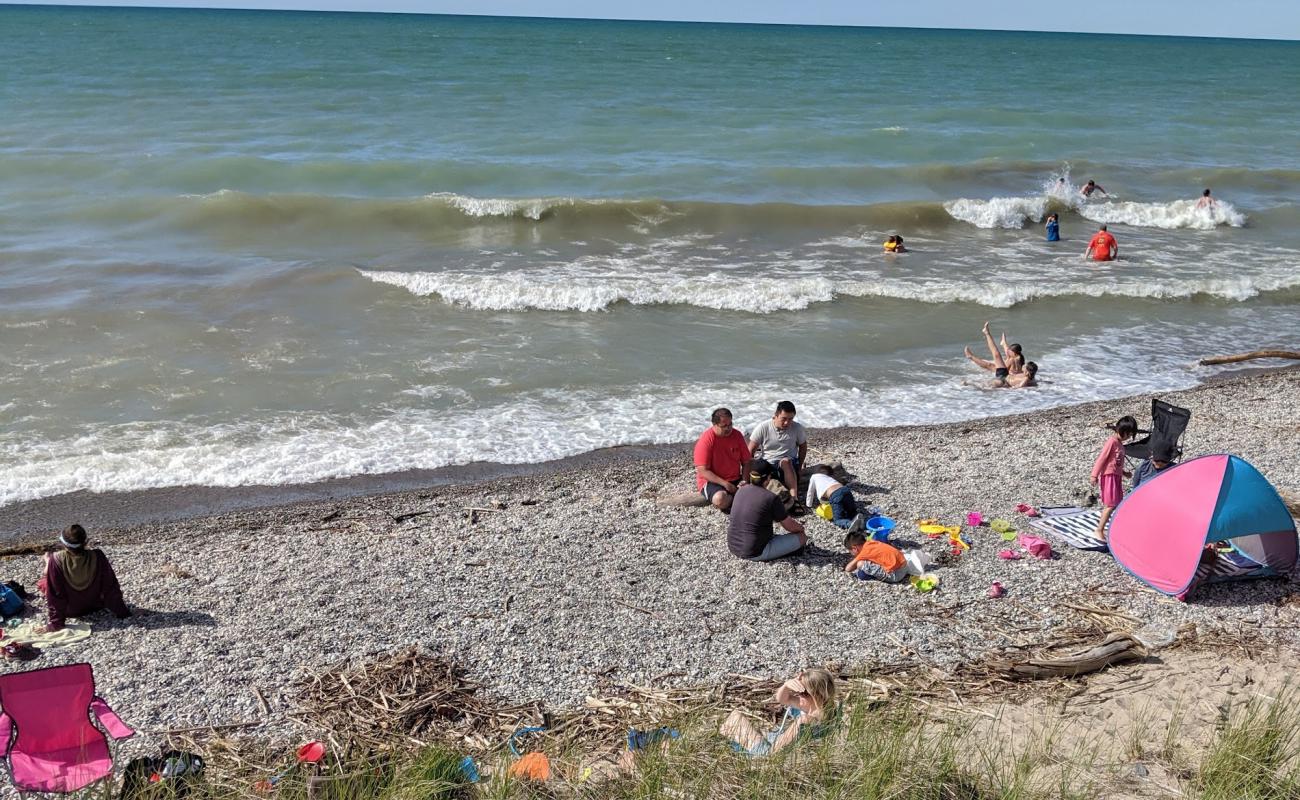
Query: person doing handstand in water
{"points": [[1008, 365]]}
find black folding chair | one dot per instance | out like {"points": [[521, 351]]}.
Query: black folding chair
{"points": [[1168, 422]]}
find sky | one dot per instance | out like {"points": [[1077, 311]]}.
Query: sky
{"points": [[1256, 19]]}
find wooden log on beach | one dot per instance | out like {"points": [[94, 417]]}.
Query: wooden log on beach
{"points": [[1117, 648], [1213, 360], [682, 499]]}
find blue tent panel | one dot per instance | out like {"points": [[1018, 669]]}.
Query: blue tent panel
{"points": [[1248, 505]]}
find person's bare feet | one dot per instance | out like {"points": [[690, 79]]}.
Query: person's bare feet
{"points": [[985, 329]]}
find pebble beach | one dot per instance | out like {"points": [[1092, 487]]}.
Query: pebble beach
{"points": [[566, 577]]}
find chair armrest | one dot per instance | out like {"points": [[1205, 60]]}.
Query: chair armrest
{"points": [[111, 721], [6, 732]]}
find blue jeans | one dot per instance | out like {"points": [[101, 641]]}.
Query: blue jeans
{"points": [[843, 507]]}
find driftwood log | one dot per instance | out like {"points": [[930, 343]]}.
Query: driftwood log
{"points": [[1213, 360], [1292, 501], [1117, 648]]}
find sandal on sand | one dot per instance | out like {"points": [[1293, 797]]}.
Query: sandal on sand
{"points": [[19, 651]]}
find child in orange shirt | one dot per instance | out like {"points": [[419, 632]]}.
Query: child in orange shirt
{"points": [[874, 560]]}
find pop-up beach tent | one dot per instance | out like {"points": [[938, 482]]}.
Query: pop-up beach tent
{"points": [[1160, 530]]}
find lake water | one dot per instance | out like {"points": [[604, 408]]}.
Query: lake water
{"points": [[270, 248]]}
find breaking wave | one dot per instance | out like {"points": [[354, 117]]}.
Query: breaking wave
{"points": [[1169, 216], [577, 290]]}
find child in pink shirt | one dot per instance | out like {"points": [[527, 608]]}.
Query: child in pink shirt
{"points": [[1108, 473]]}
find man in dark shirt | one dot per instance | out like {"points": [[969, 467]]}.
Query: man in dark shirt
{"points": [[754, 510]]}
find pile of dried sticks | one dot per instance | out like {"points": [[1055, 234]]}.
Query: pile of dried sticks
{"points": [[403, 699], [411, 698]]}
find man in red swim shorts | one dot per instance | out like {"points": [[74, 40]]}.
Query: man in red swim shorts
{"points": [[1102, 246]]}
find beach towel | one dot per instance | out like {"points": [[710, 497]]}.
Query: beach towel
{"points": [[1229, 566], [1074, 529], [73, 631]]}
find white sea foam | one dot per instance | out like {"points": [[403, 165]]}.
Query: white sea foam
{"points": [[306, 447], [562, 289], [531, 208], [998, 212], [568, 291], [1170, 216]]}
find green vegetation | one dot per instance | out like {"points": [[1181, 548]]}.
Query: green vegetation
{"points": [[896, 752]]}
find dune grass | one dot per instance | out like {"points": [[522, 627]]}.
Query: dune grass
{"points": [[897, 752]]}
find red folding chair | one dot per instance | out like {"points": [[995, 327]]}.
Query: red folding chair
{"points": [[46, 735]]}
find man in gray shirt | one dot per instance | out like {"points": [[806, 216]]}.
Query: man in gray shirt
{"points": [[782, 443]]}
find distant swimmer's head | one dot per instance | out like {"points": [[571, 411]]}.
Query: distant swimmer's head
{"points": [[1053, 217], [1092, 183], [1205, 193], [1015, 348], [1031, 369]]}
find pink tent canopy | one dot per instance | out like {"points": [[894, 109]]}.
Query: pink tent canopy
{"points": [[1160, 531]]}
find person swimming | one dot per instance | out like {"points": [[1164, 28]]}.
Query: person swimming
{"points": [[894, 244], [1092, 186]]}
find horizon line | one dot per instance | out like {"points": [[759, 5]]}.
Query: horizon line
{"points": [[632, 20]]}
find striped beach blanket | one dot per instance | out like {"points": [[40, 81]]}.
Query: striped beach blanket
{"points": [[1229, 566], [1074, 527]]}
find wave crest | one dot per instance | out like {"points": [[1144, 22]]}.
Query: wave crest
{"points": [[998, 212], [564, 290], [1169, 216]]}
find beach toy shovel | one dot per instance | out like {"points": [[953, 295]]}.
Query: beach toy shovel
{"points": [[924, 583], [310, 753]]}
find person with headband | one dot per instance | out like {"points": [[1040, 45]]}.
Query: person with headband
{"points": [[753, 513], [79, 580]]}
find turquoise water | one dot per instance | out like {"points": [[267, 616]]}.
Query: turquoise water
{"points": [[255, 247]]}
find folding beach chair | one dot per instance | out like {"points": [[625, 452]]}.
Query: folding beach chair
{"points": [[1168, 422], [46, 736]]}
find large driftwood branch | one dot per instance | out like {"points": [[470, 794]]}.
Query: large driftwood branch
{"points": [[1116, 648], [1212, 360]]}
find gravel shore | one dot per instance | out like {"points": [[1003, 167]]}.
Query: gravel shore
{"points": [[581, 573]]}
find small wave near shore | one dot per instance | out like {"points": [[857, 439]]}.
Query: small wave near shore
{"points": [[577, 289]]}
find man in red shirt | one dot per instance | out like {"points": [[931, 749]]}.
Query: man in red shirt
{"points": [[1102, 246], [720, 456]]}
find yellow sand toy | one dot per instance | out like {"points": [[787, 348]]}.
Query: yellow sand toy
{"points": [[932, 528]]}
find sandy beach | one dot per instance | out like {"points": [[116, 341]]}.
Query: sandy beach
{"points": [[579, 574]]}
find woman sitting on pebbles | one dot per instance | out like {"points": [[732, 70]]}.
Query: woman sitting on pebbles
{"points": [[78, 580], [807, 698]]}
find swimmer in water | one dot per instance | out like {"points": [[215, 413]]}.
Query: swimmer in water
{"points": [[1206, 201], [1009, 368], [1092, 186], [894, 244]]}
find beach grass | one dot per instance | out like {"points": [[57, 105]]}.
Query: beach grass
{"points": [[900, 751]]}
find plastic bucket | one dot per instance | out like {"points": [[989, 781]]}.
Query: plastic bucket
{"points": [[880, 528]]}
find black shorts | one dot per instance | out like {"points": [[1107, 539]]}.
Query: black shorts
{"points": [[710, 489], [1000, 372]]}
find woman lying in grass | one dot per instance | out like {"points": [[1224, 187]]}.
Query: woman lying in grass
{"points": [[807, 698]]}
